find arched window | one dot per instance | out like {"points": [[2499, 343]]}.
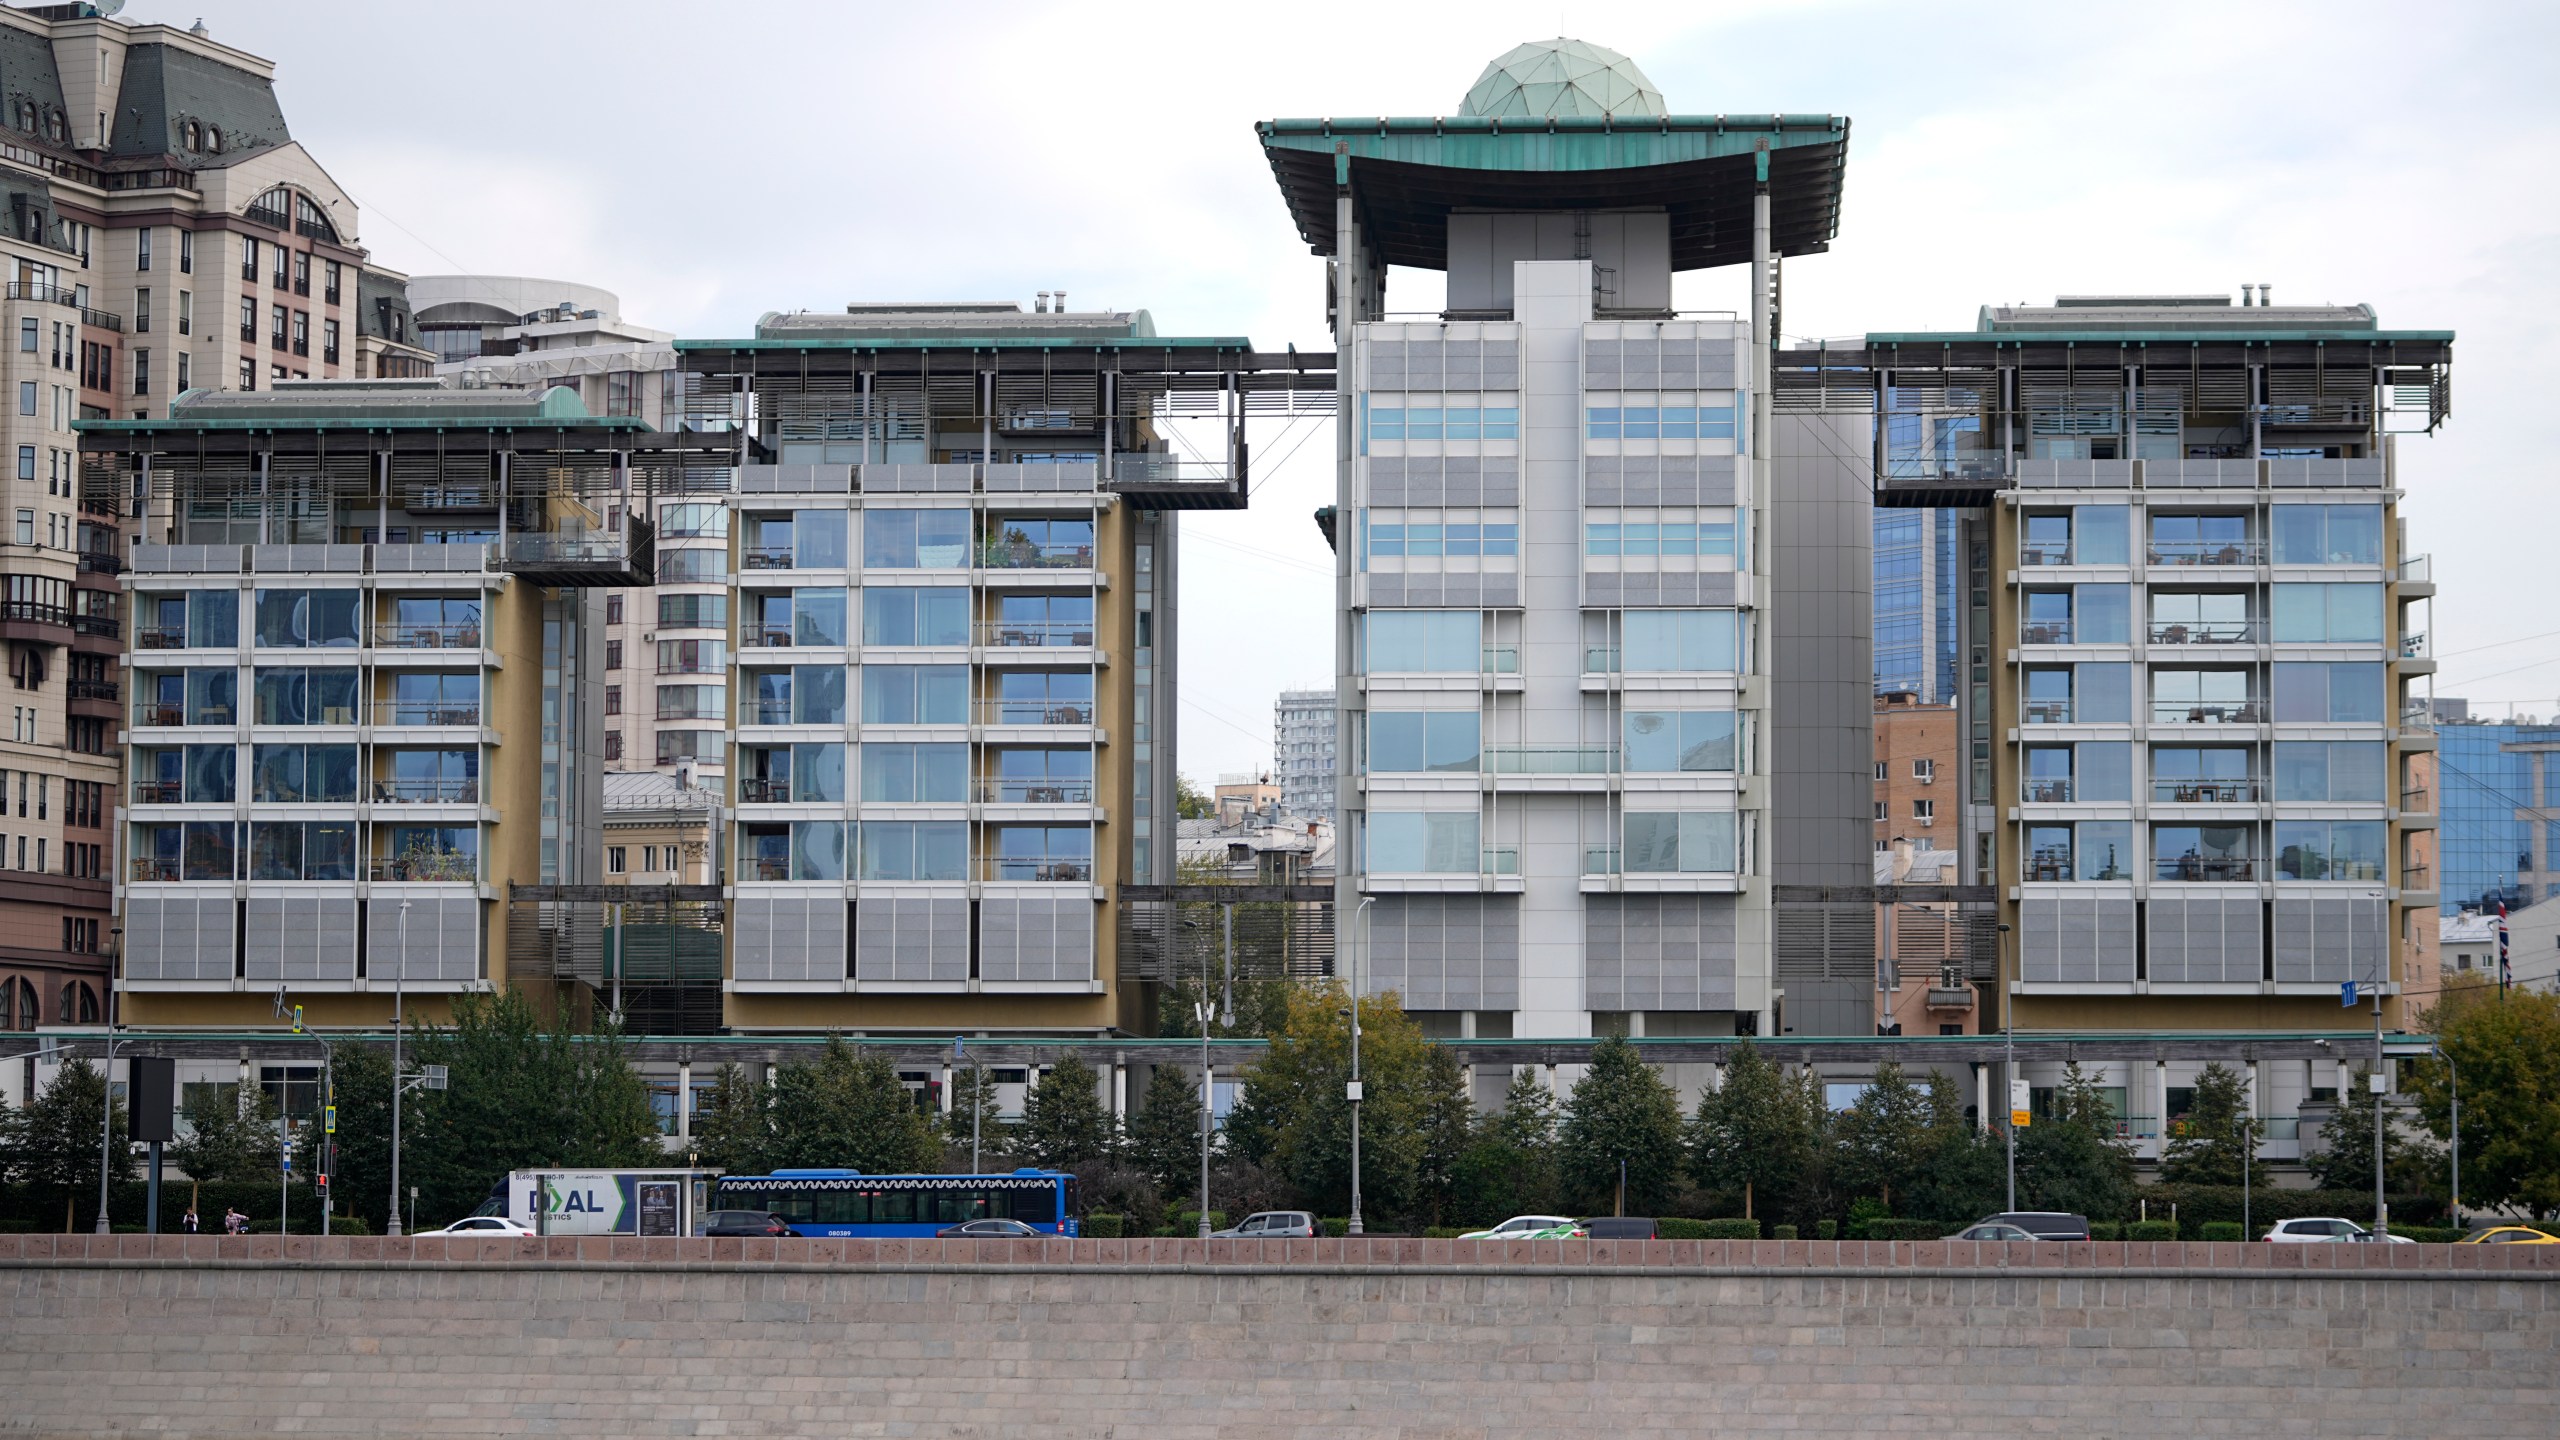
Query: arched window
{"points": [[30, 1006], [88, 1005], [195, 136], [213, 139], [70, 1002]]}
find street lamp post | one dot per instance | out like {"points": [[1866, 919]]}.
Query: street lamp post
{"points": [[106, 1127], [398, 1016], [1208, 1114], [2374, 1086], [2456, 1071], [1360, 920], [2009, 1077]]}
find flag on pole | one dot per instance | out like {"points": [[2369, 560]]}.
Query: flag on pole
{"points": [[2504, 973]]}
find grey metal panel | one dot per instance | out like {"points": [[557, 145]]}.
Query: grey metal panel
{"points": [[911, 938], [1036, 938], [1423, 366], [1386, 480], [1501, 364], [1501, 480], [1601, 480], [1501, 589], [1445, 952], [2076, 940], [2331, 939], [2296, 959], [1717, 479], [1659, 952], [1462, 480], [1386, 589], [1057, 478], [1603, 587], [164, 938], [1817, 646], [1386, 364], [1680, 362], [443, 936], [2201, 939], [751, 938], [790, 938], [1600, 364], [299, 938], [1830, 1007]]}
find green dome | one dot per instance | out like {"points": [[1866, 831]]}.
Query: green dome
{"points": [[1548, 78]]}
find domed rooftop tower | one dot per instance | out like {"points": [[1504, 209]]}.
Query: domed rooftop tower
{"points": [[1562, 77]]}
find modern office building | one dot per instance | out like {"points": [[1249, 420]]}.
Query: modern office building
{"points": [[2499, 801], [2209, 744], [1602, 627], [165, 233], [1303, 751], [365, 707], [942, 628], [1919, 585]]}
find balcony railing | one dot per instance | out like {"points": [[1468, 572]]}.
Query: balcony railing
{"points": [[2207, 632], [100, 562], [2248, 712], [764, 792], [765, 637], [2048, 792], [460, 636], [2416, 570], [157, 714], [1550, 759], [35, 612], [268, 216], [159, 792], [2418, 717], [2046, 712], [1501, 861], [1035, 792], [765, 557], [1600, 860], [1035, 712], [441, 866], [2412, 802], [96, 690], [2204, 792], [1062, 871], [2207, 868], [153, 637], [147, 867], [2414, 646], [2045, 868], [426, 792], [2045, 632], [2416, 877], [1021, 555], [1008, 635], [2205, 552], [68, 298], [426, 712]]}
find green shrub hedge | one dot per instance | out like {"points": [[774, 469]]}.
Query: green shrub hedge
{"points": [[1729, 1229], [1782, 1232], [2219, 1230], [1826, 1229], [1106, 1227], [1679, 1227], [1891, 1229], [2105, 1230], [1336, 1229], [2151, 1230]]}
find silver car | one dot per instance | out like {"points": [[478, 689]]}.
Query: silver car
{"points": [[1271, 1225]]}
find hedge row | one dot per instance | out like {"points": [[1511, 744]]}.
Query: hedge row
{"points": [[40, 1209]]}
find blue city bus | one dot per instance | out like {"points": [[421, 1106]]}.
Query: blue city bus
{"points": [[849, 1202]]}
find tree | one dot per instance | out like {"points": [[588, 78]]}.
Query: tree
{"points": [[1446, 1115], [54, 1140], [1620, 1114], [521, 1097], [1759, 1135], [2410, 1164], [1064, 1124], [2209, 1144], [848, 1110], [229, 1136], [1295, 1118], [1510, 1168], [2506, 1049], [360, 1184], [733, 1124], [1190, 802], [973, 1091], [1881, 1143], [2074, 1159], [1963, 1173], [1164, 1139]]}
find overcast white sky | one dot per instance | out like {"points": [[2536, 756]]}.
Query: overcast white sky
{"points": [[709, 162]]}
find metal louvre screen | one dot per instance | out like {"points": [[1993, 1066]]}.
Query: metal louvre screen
{"points": [[2071, 940], [298, 938], [177, 937], [1165, 940], [1444, 480], [911, 939], [1035, 939], [2326, 941], [1659, 952], [2203, 939], [443, 945], [790, 938], [1825, 941], [1666, 362], [1659, 479], [1445, 952]]}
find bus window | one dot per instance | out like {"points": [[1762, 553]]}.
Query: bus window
{"points": [[834, 1207], [1032, 1207], [798, 1209], [894, 1207]]}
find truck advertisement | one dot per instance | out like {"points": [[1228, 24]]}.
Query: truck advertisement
{"points": [[607, 1202]]}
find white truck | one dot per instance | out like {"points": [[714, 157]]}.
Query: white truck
{"points": [[603, 1202]]}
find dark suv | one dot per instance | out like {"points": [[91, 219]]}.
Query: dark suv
{"points": [[745, 1222]]}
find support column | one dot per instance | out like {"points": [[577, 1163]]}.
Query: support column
{"points": [[1766, 545], [946, 1087], [1982, 1095], [684, 1099], [1120, 1088], [2160, 1100]]}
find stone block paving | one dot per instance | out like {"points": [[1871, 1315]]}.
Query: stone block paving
{"points": [[213, 1337]]}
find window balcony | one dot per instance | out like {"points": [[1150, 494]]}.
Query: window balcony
{"points": [[1074, 872], [1034, 712], [2205, 552], [2045, 869], [99, 562], [465, 791], [2207, 632], [151, 868], [766, 557], [426, 712], [2204, 792], [1022, 555], [1601, 860], [2246, 712], [1550, 759], [766, 637], [764, 792], [1006, 635], [2205, 868], [459, 636], [2046, 712], [153, 637], [2031, 554], [159, 792], [2048, 792], [438, 866], [107, 690], [1035, 792]]}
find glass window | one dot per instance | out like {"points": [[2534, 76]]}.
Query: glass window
{"points": [[2103, 694], [1040, 852], [2327, 534], [213, 619], [2045, 617], [895, 773], [420, 698], [817, 849], [917, 695], [2336, 691], [2202, 852], [306, 774], [2103, 535], [1041, 697], [2104, 770], [2103, 850], [1411, 740], [693, 521], [915, 539], [817, 771], [426, 776], [2330, 770], [1422, 640], [709, 612], [1044, 620], [1686, 641], [1663, 741], [2330, 849], [431, 852], [1045, 777], [2102, 614], [2046, 695], [693, 567], [1423, 843], [2327, 613], [208, 850], [2048, 774], [1682, 842], [293, 695], [818, 539], [915, 850], [302, 850], [911, 615], [817, 695], [209, 773], [2044, 540], [212, 696], [2048, 853]]}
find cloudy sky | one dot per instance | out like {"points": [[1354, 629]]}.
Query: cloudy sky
{"points": [[712, 161]]}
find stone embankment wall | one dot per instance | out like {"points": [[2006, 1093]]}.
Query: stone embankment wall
{"points": [[206, 1337]]}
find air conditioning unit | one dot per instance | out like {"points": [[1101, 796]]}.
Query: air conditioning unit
{"points": [[1927, 819]]}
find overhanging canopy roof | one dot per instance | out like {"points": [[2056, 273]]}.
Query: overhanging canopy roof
{"points": [[1408, 174]]}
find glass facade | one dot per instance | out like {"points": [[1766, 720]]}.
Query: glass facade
{"points": [[1917, 588], [2486, 843]]}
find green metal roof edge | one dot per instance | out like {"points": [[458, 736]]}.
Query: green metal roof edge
{"points": [[626, 423], [1570, 147], [2113, 337], [983, 342], [2402, 1038], [1343, 127]]}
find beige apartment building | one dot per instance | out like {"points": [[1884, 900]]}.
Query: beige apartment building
{"points": [[1916, 774], [165, 233]]}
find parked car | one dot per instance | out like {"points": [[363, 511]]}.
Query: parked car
{"points": [[987, 1230], [1619, 1227], [484, 1225], [745, 1222], [1521, 1227], [1994, 1230], [1271, 1225], [2042, 1224], [2325, 1230], [2508, 1235]]}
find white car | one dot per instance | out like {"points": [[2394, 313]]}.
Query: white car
{"points": [[2325, 1230], [1520, 1227], [484, 1225]]}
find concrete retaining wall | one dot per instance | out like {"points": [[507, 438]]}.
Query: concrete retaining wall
{"points": [[1136, 1340]]}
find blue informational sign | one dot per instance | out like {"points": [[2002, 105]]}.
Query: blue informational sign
{"points": [[2347, 993]]}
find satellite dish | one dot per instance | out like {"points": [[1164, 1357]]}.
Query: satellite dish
{"points": [[106, 8]]}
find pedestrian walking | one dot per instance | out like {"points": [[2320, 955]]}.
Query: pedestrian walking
{"points": [[233, 1222]]}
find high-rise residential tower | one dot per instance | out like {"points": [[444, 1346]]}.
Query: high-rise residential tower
{"points": [[1303, 751], [1603, 618]]}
